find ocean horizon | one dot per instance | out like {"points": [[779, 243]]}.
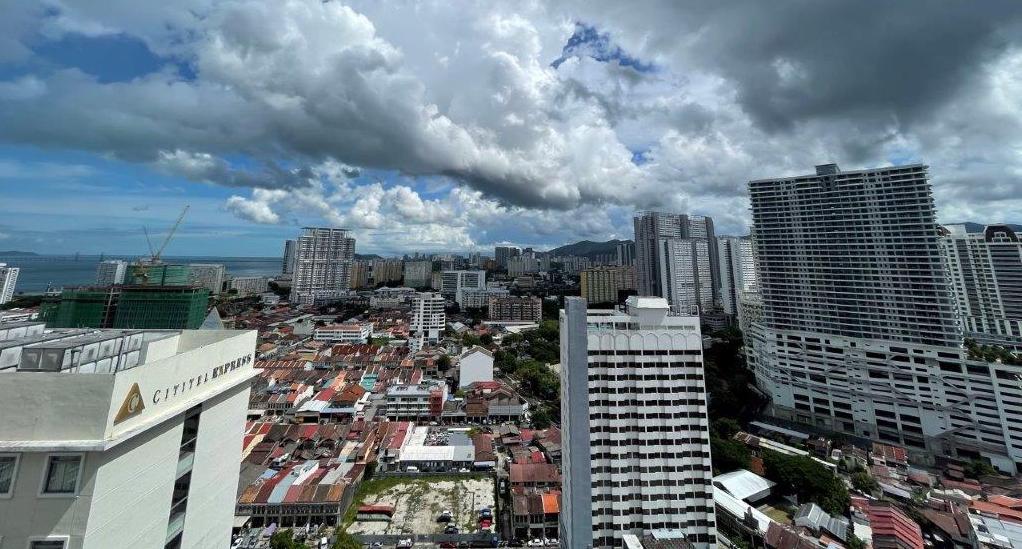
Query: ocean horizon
{"points": [[40, 272]]}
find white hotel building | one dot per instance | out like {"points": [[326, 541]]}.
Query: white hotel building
{"points": [[636, 442], [121, 438]]}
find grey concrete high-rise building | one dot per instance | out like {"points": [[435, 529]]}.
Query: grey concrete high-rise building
{"points": [[111, 272], [8, 280], [985, 270], [504, 253], [207, 275], [676, 258], [852, 254], [635, 436], [857, 330], [322, 265], [290, 257], [737, 272]]}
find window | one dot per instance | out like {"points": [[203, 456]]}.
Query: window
{"points": [[8, 468], [62, 473], [46, 544]]}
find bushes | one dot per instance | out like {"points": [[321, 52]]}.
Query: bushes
{"points": [[728, 455], [807, 479]]}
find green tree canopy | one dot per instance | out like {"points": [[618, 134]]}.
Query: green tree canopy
{"points": [[807, 479]]}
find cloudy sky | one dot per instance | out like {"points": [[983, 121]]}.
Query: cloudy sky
{"points": [[455, 125]]}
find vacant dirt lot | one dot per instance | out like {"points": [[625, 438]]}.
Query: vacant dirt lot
{"points": [[418, 503]]}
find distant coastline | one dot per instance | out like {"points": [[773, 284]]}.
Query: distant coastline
{"points": [[16, 253]]}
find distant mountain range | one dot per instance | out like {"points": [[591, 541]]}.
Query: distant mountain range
{"points": [[588, 248], [15, 253], [978, 227]]}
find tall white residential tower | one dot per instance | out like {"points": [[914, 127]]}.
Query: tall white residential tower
{"points": [[323, 264], [635, 442]]}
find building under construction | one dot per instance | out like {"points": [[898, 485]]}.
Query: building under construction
{"points": [[135, 306]]}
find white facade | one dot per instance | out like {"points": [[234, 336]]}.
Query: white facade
{"points": [[428, 317], [685, 274], [521, 265], [476, 364], [475, 298], [250, 285], [635, 442], [207, 275], [111, 272], [8, 279], [352, 332], [843, 342], [737, 272], [323, 264], [418, 274], [985, 272], [453, 281], [143, 457], [676, 258]]}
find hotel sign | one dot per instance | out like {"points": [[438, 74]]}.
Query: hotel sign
{"points": [[186, 385], [134, 402]]}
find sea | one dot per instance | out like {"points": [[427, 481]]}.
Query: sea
{"points": [[41, 272]]}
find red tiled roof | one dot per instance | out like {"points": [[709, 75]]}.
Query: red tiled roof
{"points": [[1002, 512], [530, 473], [887, 521]]}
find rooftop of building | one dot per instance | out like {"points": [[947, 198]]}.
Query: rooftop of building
{"points": [[833, 169], [92, 389]]}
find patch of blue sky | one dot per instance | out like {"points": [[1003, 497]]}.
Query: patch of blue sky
{"points": [[108, 58], [588, 41]]}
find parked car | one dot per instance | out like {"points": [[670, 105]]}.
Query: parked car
{"points": [[405, 543]]}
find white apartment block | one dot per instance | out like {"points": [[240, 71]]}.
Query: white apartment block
{"points": [[602, 284], [323, 264], [132, 440], [8, 279], [453, 281], [349, 332], [857, 331], [985, 272], [503, 254], [475, 298], [522, 265], [418, 274], [250, 285], [685, 275], [207, 275], [737, 272], [635, 442], [111, 272], [428, 318], [676, 258]]}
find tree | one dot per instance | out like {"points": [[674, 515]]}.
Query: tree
{"points": [[729, 455], [726, 427], [470, 340], [346, 541], [977, 468], [486, 339], [863, 482], [807, 479], [855, 543], [285, 539], [541, 418], [443, 363]]}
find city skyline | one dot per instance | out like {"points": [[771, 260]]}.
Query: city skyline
{"points": [[139, 110]]}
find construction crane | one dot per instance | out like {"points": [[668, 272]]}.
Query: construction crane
{"points": [[156, 253]]}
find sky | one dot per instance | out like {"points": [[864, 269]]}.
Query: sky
{"points": [[454, 125]]}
